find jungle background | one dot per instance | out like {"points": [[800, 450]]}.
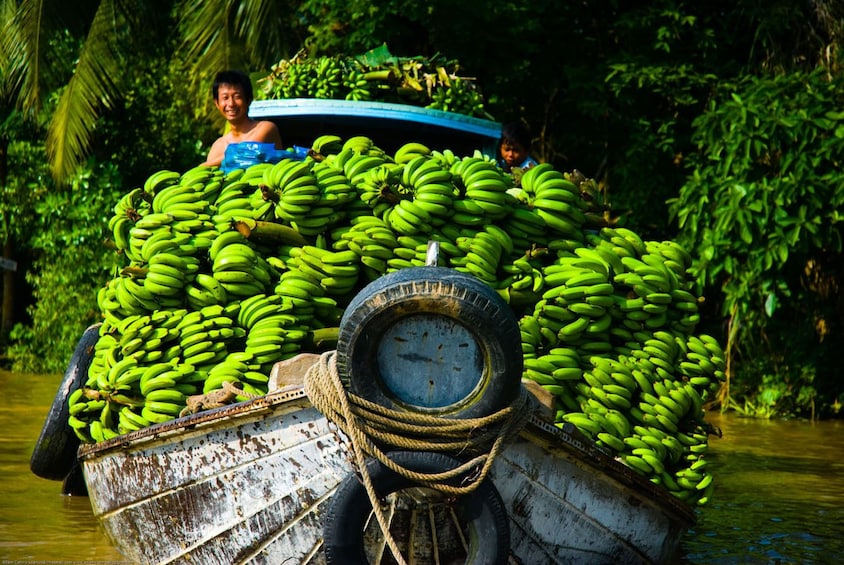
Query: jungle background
{"points": [[718, 124]]}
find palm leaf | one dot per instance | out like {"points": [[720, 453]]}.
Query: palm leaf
{"points": [[94, 86], [23, 53], [206, 39], [282, 38]]}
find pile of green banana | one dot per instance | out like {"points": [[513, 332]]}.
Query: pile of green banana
{"points": [[227, 274], [430, 83]]}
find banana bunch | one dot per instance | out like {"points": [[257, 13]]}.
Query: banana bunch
{"points": [[188, 194], [372, 240], [380, 188], [314, 202], [410, 251], [432, 188], [320, 77], [272, 331], [146, 338], [361, 145], [576, 302], [410, 150], [112, 308], [165, 388], [606, 319], [296, 82], [126, 295], [484, 253], [100, 408], [206, 336], [446, 158], [357, 160], [237, 268], [526, 227], [598, 209], [554, 198], [294, 189], [126, 212], [653, 425], [358, 86], [328, 79], [557, 371], [241, 198], [300, 289], [336, 271], [432, 83], [524, 280], [458, 95], [485, 184], [336, 190], [703, 364], [324, 145]]}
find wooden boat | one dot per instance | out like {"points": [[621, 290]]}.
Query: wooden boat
{"points": [[253, 482], [261, 481], [249, 483]]}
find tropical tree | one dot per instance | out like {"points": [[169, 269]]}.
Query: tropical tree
{"points": [[116, 38]]}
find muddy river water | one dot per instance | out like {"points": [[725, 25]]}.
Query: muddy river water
{"points": [[778, 499]]}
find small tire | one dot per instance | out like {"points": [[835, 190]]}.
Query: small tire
{"points": [[481, 513], [54, 454], [431, 340], [74, 483]]}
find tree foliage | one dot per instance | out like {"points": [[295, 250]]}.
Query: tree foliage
{"points": [[762, 212], [714, 122], [69, 262]]}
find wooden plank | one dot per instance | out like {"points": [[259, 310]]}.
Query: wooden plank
{"points": [[249, 484]]}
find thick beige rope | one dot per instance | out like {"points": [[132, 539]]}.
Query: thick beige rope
{"points": [[368, 425]]}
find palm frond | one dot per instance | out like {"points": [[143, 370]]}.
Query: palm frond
{"points": [[249, 22], [266, 44], [23, 52], [94, 86], [206, 44]]}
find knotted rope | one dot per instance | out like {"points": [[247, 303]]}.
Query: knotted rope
{"points": [[367, 424]]}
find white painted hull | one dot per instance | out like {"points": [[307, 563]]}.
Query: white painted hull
{"points": [[249, 483]]}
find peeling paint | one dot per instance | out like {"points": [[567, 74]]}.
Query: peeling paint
{"points": [[250, 483]]}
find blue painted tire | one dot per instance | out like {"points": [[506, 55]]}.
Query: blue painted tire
{"points": [[54, 454], [480, 514], [431, 340]]}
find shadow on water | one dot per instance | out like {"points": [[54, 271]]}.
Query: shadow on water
{"points": [[778, 494]]}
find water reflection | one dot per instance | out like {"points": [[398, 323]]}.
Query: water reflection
{"points": [[778, 494]]}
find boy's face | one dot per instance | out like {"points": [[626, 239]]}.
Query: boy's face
{"points": [[513, 153], [231, 102]]}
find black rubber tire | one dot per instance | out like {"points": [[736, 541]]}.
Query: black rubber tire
{"points": [[349, 509], [74, 483], [460, 301], [54, 454]]}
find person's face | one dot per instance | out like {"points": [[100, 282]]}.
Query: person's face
{"points": [[513, 153], [231, 102]]}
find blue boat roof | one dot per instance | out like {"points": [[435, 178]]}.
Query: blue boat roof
{"points": [[399, 122]]}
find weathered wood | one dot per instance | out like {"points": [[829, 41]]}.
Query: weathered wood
{"points": [[249, 483]]}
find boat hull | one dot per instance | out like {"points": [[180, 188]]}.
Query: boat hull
{"points": [[250, 483]]}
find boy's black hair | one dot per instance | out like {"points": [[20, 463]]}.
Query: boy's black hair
{"points": [[518, 132], [234, 78]]}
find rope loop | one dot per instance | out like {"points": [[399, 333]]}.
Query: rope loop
{"points": [[373, 429]]}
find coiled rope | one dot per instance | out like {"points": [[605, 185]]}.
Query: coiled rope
{"points": [[368, 425]]}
